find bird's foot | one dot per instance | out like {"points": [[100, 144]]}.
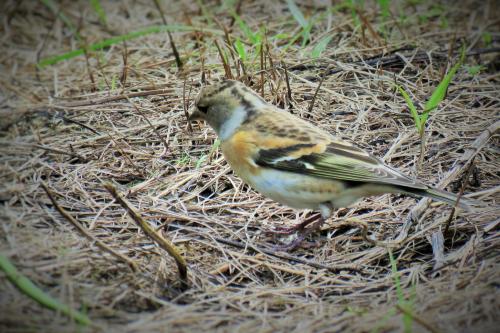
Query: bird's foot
{"points": [[298, 242], [281, 230], [302, 233]]}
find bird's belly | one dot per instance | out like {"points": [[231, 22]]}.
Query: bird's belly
{"points": [[296, 191]]}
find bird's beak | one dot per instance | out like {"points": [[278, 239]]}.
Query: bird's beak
{"points": [[194, 114]]}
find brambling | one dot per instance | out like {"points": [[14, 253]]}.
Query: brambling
{"points": [[294, 162]]}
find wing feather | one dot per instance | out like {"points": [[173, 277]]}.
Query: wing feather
{"points": [[339, 161]]}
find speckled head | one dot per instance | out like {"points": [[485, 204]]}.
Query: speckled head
{"points": [[225, 106]]}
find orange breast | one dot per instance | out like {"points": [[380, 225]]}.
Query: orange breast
{"points": [[239, 151]]}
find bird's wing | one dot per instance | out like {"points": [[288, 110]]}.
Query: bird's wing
{"points": [[334, 160]]}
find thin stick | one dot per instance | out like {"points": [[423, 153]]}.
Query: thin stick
{"points": [[123, 77], [262, 69], [317, 89], [459, 195], [87, 234], [227, 69], [288, 89], [111, 99], [178, 60], [69, 120], [151, 233], [185, 105], [59, 151]]}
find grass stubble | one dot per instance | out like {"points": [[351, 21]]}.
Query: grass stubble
{"points": [[114, 110]]}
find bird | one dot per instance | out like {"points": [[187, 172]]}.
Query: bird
{"points": [[294, 162]]}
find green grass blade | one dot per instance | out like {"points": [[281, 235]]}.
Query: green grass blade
{"points": [[352, 4], [29, 289], [96, 4], [395, 273], [407, 319], [306, 33], [205, 12], [297, 14], [440, 91], [246, 29], [119, 39], [384, 8], [67, 22], [240, 48], [413, 109], [321, 46]]}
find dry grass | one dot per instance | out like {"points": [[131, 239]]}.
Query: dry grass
{"points": [[60, 128]]}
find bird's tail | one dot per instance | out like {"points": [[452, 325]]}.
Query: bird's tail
{"points": [[450, 198]]}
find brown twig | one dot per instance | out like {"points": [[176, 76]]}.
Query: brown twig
{"points": [[262, 69], [311, 105], [151, 233], [63, 152], [288, 89], [69, 120], [465, 181], [237, 11], [85, 232], [112, 98], [369, 26], [185, 105], [227, 68], [178, 60], [123, 77]]}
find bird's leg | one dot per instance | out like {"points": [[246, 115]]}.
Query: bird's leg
{"points": [[297, 227], [301, 236], [303, 232]]}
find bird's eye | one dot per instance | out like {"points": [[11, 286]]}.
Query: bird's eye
{"points": [[203, 109]]}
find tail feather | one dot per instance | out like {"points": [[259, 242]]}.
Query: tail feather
{"points": [[449, 198]]}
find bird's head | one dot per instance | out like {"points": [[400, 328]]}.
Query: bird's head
{"points": [[225, 105]]}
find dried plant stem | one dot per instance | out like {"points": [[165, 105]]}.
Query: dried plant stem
{"points": [[112, 98], [151, 233], [85, 232], [185, 105], [178, 60], [465, 181]]}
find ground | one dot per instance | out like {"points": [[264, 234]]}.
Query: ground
{"points": [[116, 113]]}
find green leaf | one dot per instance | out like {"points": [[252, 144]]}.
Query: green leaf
{"points": [[31, 290], [282, 35], [384, 8], [297, 14], [118, 39], [99, 11], [440, 91], [407, 319], [413, 109], [306, 33], [321, 46], [474, 70], [246, 29], [487, 38], [240, 48]]}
